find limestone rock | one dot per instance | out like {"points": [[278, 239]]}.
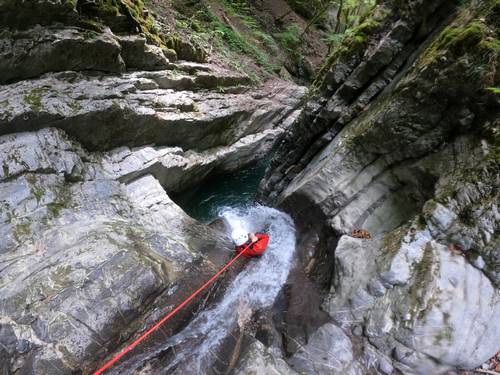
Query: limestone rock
{"points": [[260, 360], [25, 14], [28, 54], [138, 55], [131, 110], [83, 240], [399, 140], [329, 351], [424, 316]]}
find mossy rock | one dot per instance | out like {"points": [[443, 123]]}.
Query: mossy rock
{"points": [[353, 46], [170, 53], [185, 50], [34, 99]]}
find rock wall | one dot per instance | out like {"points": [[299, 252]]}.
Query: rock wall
{"points": [[400, 138], [97, 124]]}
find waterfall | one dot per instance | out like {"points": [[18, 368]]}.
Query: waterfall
{"points": [[256, 287]]}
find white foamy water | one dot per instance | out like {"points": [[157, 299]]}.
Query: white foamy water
{"points": [[256, 287]]}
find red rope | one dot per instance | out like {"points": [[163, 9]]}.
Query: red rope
{"points": [[117, 357]]}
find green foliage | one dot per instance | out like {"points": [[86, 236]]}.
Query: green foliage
{"points": [[290, 38], [491, 45], [207, 27], [462, 38], [494, 90]]}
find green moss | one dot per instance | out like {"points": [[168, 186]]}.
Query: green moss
{"points": [[491, 45], [34, 99], [462, 37], [445, 334], [112, 12], [354, 43], [35, 188], [90, 34], [55, 209], [92, 25], [38, 192], [391, 242], [21, 230], [422, 275]]}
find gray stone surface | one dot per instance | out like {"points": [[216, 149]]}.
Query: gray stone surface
{"points": [[138, 55], [30, 53], [396, 142], [24, 14], [92, 249], [261, 360], [71, 247], [133, 109], [91, 242], [445, 309], [328, 351]]}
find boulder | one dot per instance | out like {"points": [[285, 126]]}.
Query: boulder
{"points": [[425, 312], [258, 359]]}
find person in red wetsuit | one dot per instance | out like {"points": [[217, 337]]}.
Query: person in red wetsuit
{"points": [[257, 245]]}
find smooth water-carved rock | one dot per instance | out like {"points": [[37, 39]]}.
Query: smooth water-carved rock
{"points": [[84, 258], [81, 225], [328, 351], [445, 303], [131, 110]]}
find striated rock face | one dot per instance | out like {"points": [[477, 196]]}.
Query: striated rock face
{"points": [[141, 108], [95, 129], [29, 53], [401, 139], [78, 227], [71, 245]]}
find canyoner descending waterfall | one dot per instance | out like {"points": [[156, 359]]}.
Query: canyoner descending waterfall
{"points": [[136, 137], [194, 349]]}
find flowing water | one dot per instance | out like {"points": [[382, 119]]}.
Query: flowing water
{"points": [[194, 349]]}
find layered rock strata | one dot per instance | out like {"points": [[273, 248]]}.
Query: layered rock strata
{"points": [[401, 140]]}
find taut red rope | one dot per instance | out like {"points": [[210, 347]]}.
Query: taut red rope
{"points": [[127, 349]]}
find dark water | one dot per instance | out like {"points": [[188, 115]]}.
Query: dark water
{"points": [[236, 189]]}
